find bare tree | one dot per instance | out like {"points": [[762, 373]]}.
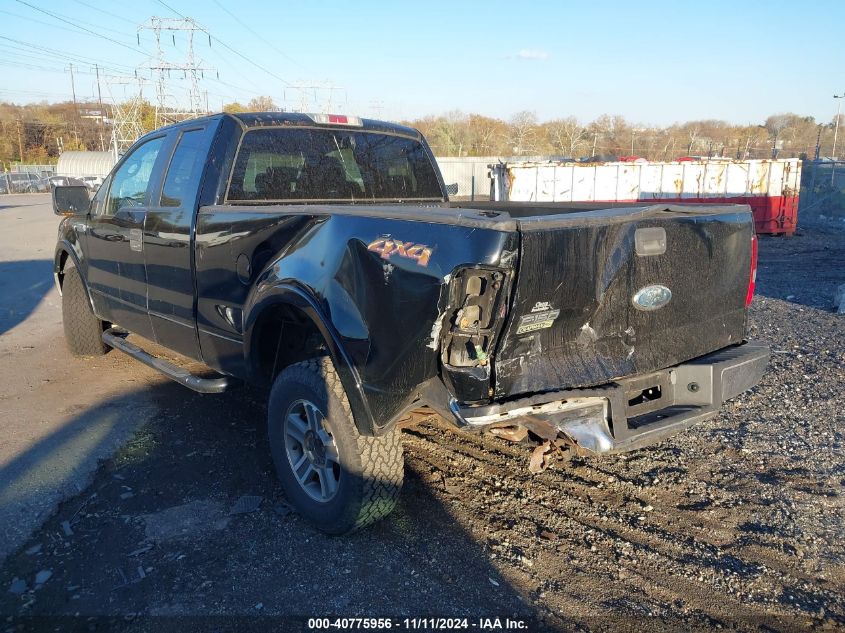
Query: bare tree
{"points": [[262, 104], [566, 135], [693, 130], [523, 132]]}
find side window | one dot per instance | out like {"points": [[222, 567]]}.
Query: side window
{"points": [[98, 202], [130, 181], [185, 171]]}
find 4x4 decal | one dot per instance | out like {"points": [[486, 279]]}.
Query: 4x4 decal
{"points": [[387, 247]]}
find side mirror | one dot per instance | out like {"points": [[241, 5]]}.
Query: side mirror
{"points": [[452, 190], [71, 200]]}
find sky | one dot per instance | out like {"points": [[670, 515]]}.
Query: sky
{"points": [[654, 63]]}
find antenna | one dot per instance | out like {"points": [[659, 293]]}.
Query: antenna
{"points": [[162, 69]]}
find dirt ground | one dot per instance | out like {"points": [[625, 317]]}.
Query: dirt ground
{"points": [[736, 523]]}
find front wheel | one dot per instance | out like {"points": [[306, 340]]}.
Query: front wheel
{"points": [[338, 479]]}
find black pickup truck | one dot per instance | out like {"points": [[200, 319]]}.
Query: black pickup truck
{"points": [[319, 255]]}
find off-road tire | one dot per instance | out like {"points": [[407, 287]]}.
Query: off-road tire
{"points": [[371, 467], [83, 330]]}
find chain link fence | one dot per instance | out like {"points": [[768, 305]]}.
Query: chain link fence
{"points": [[822, 195], [41, 171]]}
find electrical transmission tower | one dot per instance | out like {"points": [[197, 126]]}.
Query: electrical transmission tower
{"points": [[377, 108], [126, 111], [315, 96], [162, 69]]}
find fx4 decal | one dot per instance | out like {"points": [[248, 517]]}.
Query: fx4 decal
{"points": [[387, 247], [537, 320]]}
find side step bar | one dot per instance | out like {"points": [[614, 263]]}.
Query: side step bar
{"points": [[117, 339]]}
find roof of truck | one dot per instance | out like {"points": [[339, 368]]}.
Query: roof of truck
{"points": [[273, 119], [252, 120]]}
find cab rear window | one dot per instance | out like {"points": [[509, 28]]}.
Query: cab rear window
{"points": [[331, 165]]}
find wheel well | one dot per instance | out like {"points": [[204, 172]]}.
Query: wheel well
{"points": [[60, 274], [284, 335]]}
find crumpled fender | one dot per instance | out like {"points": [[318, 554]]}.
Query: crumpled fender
{"points": [[270, 294]]}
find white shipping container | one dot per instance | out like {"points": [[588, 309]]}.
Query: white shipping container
{"points": [[771, 187]]}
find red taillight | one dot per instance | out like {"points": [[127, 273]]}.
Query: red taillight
{"points": [[336, 119], [752, 277]]}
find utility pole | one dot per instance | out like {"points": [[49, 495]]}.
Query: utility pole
{"points": [[20, 140], [100, 101], [72, 85], [75, 107], [835, 134], [99, 93], [818, 143], [836, 123]]}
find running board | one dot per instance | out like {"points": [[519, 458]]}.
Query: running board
{"points": [[117, 339]]}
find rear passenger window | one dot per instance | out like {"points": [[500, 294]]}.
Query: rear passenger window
{"points": [[185, 171]]}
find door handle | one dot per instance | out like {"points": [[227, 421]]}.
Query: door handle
{"points": [[136, 239]]}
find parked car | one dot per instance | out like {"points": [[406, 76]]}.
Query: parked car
{"points": [[319, 255], [62, 181], [24, 182], [92, 182]]}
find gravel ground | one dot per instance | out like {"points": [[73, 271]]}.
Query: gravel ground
{"points": [[736, 523]]}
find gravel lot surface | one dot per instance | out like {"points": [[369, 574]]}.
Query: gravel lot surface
{"points": [[738, 522]]}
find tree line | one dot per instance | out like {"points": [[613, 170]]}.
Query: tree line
{"points": [[38, 133], [608, 137]]}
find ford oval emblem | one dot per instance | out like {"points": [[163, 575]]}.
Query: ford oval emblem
{"points": [[652, 297]]}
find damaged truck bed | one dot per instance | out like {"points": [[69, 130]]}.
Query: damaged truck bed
{"points": [[319, 255]]}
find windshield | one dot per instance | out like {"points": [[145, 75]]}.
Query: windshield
{"points": [[331, 165]]}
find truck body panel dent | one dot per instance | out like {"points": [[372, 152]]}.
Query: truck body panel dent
{"points": [[382, 304]]}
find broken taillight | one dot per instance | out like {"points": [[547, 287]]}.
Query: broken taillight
{"points": [[752, 278], [474, 316], [476, 298]]}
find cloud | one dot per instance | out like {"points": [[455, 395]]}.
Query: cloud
{"points": [[532, 53]]}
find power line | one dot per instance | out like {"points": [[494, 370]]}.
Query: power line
{"points": [[103, 11], [89, 23], [226, 46], [56, 53], [81, 28], [259, 36], [29, 57], [37, 21]]}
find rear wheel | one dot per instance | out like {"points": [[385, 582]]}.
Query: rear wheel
{"points": [[83, 330], [338, 479]]}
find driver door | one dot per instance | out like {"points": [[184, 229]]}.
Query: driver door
{"points": [[115, 241]]}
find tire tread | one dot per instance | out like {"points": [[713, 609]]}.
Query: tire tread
{"points": [[83, 330], [381, 458]]}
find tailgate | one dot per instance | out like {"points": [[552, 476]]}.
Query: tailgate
{"points": [[575, 321]]}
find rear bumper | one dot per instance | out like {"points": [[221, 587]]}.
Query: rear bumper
{"points": [[634, 412]]}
